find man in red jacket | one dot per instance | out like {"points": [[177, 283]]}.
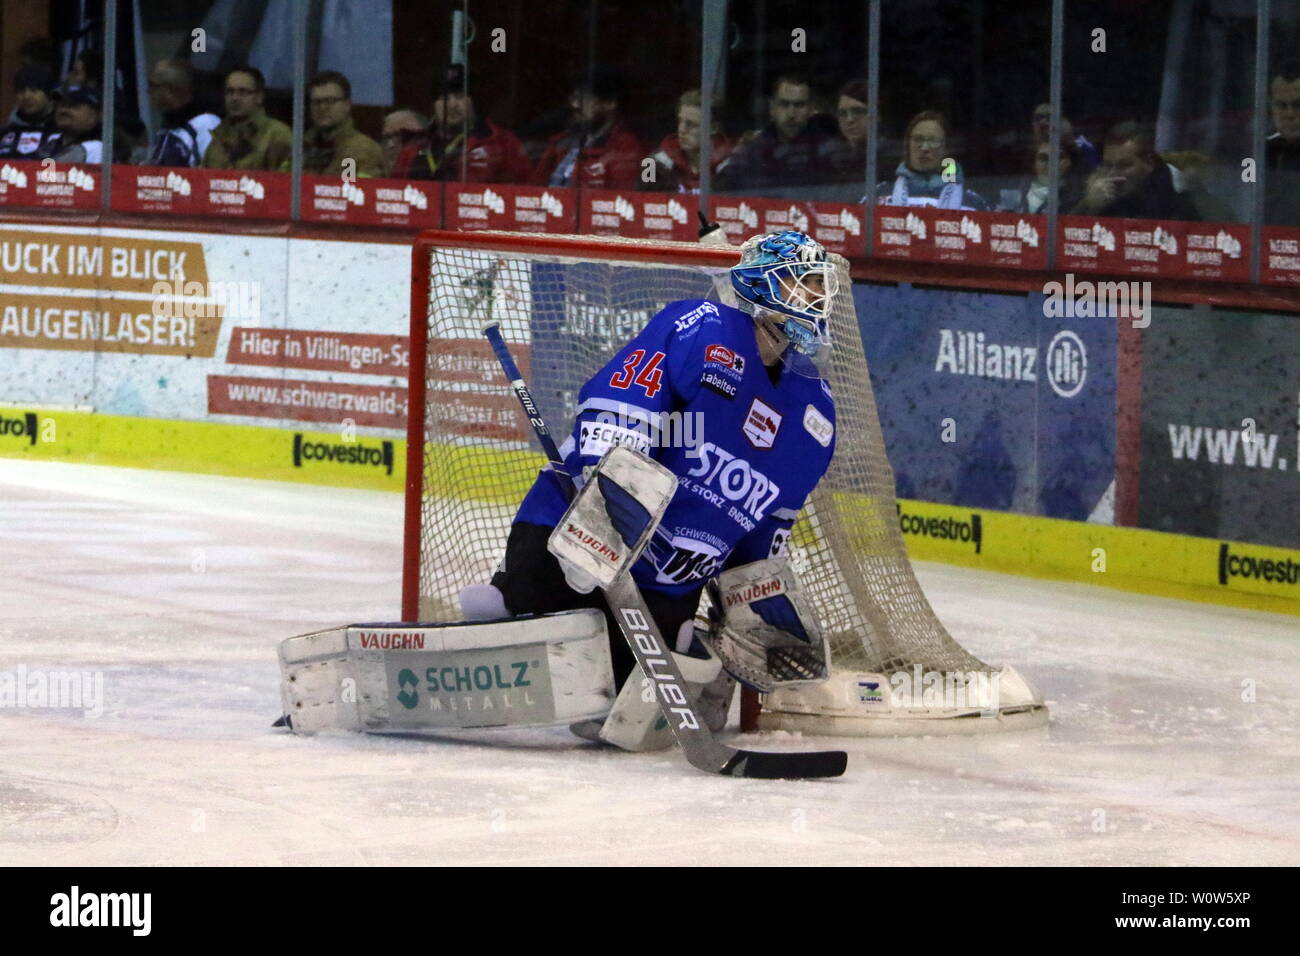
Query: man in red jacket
{"points": [[677, 160], [596, 151], [461, 147]]}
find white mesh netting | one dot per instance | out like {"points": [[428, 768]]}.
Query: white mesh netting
{"points": [[563, 317]]}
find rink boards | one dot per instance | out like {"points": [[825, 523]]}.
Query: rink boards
{"points": [[1151, 562]]}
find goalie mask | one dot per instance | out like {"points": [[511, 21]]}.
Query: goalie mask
{"points": [[789, 273]]}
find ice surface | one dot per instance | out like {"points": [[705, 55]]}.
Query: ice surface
{"points": [[177, 588]]}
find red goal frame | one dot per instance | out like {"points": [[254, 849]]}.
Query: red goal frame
{"points": [[721, 257]]}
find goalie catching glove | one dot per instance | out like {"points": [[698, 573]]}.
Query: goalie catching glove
{"points": [[763, 629]]}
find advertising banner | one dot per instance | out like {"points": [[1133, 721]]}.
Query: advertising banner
{"points": [[1189, 250], [205, 327], [930, 234], [244, 194], [49, 185], [1221, 425], [648, 215], [513, 208], [1280, 264], [986, 401], [372, 202], [837, 226]]}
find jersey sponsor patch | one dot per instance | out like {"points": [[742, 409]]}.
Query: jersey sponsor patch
{"points": [[735, 479], [689, 560], [818, 425], [761, 424], [29, 142], [718, 383], [596, 438], [727, 358], [780, 542]]}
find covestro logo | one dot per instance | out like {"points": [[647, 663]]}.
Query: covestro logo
{"points": [[943, 529], [307, 451], [21, 426], [1237, 564]]}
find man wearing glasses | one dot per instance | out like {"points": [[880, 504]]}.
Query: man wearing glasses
{"points": [[247, 138], [333, 140]]}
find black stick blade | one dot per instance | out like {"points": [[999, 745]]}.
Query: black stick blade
{"points": [[786, 766]]}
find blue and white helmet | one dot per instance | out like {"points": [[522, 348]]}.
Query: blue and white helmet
{"points": [[772, 274]]}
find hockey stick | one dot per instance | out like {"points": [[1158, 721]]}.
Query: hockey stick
{"points": [[653, 654]]}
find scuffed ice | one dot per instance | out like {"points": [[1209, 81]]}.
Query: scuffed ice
{"points": [[176, 589]]}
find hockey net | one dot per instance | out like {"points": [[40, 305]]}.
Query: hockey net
{"points": [[565, 305]]}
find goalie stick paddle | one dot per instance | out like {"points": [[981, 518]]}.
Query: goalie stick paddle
{"points": [[638, 627]]}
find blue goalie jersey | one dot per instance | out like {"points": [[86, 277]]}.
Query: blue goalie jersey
{"points": [[691, 392]]}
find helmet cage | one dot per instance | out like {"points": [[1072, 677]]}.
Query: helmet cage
{"points": [[808, 308]]}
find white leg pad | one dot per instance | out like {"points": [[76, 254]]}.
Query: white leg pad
{"points": [[412, 678], [636, 723]]}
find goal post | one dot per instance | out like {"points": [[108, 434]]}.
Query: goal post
{"points": [[565, 304]]}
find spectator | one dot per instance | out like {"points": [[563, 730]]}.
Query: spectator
{"points": [[677, 160], [927, 176], [1133, 182], [333, 139], [1085, 154], [79, 117], [1190, 169], [1282, 148], [247, 138], [596, 151], [458, 145], [785, 152], [87, 71], [186, 129], [401, 128], [1032, 195], [31, 126], [844, 157]]}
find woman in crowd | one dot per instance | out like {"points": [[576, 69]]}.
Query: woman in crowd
{"points": [[928, 176]]}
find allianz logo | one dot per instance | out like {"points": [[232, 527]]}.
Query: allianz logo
{"points": [[1065, 362]]}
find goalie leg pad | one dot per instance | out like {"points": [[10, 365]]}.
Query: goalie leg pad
{"points": [[636, 722], [610, 521], [412, 678], [764, 630]]}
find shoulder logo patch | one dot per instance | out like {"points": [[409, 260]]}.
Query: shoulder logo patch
{"points": [[761, 424], [691, 318], [818, 425]]}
